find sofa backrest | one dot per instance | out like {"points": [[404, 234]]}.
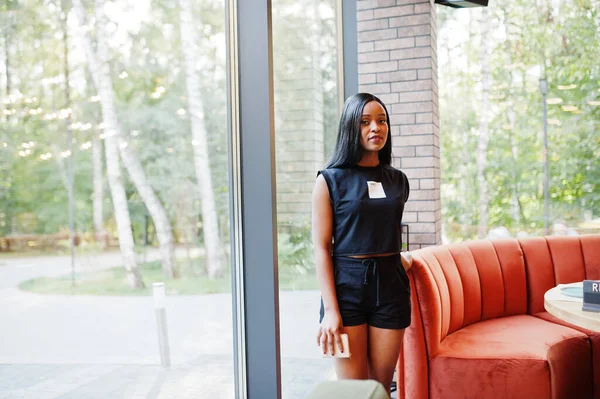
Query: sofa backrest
{"points": [[558, 260], [462, 284]]}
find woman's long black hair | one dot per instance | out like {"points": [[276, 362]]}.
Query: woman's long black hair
{"points": [[348, 150]]}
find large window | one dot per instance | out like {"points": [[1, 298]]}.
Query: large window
{"points": [[494, 145], [135, 249], [114, 129]]}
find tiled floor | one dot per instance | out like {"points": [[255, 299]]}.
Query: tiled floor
{"points": [[206, 378]]}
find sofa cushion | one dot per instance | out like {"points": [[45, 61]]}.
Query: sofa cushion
{"points": [[594, 338], [515, 356]]}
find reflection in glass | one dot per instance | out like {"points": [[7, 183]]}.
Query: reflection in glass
{"points": [[306, 113]]}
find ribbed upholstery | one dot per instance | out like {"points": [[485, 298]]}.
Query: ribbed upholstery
{"points": [[514, 276], [540, 271], [455, 289], [470, 282], [590, 247], [475, 271], [567, 259], [490, 275]]}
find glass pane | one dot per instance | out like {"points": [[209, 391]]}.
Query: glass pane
{"points": [[306, 114], [492, 119], [141, 89]]}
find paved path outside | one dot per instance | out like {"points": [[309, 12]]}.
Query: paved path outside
{"points": [[15, 270], [213, 379], [60, 346]]}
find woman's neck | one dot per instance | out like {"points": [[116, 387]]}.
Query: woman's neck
{"points": [[369, 159]]}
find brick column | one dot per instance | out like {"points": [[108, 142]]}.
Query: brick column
{"points": [[397, 58]]}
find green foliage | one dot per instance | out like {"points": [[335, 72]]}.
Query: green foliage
{"points": [[558, 40], [145, 55], [295, 251]]}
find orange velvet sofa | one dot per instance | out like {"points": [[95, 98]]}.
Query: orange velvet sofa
{"points": [[479, 328]]}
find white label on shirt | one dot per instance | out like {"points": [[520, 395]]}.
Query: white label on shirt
{"points": [[375, 189]]}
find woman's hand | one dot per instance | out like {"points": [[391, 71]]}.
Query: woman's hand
{"points": [[407, 260], [329, 332]]}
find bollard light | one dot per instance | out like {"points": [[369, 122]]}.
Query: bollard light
{"points": [[158, 292]]}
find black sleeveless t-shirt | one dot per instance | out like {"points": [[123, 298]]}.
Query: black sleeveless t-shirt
{"points": [[368, 203]]}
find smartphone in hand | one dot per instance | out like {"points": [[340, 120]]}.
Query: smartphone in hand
{"points": [[338, 351]]}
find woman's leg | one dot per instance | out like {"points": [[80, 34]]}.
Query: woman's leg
{"points": [[384, 349], [354, 367]]}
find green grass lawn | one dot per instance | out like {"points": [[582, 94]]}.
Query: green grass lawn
{"points": [[113, 282]]}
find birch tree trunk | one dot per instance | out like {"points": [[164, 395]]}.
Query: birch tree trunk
{"points": [[62, 172], [512, 120], [98, 182], [130, 160], [68, 120], [98, 213], [6, 30], [164, 233], [210, 225], [482, 203], [119, 199], [7, 59], [103, 83], [514, 150]]}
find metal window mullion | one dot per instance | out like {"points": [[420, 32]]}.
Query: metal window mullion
{"points": [[235, 201], [252, 199], [349, 46]]}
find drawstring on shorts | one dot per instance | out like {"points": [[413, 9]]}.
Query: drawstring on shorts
{"points": [[371, 264]]}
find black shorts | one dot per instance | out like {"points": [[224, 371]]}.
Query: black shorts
{"points": [[375, 291]]}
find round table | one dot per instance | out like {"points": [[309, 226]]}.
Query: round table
{"points": [[570, 311]]}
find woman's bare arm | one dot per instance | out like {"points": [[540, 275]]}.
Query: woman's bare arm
{"points": [[322, 231]]}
